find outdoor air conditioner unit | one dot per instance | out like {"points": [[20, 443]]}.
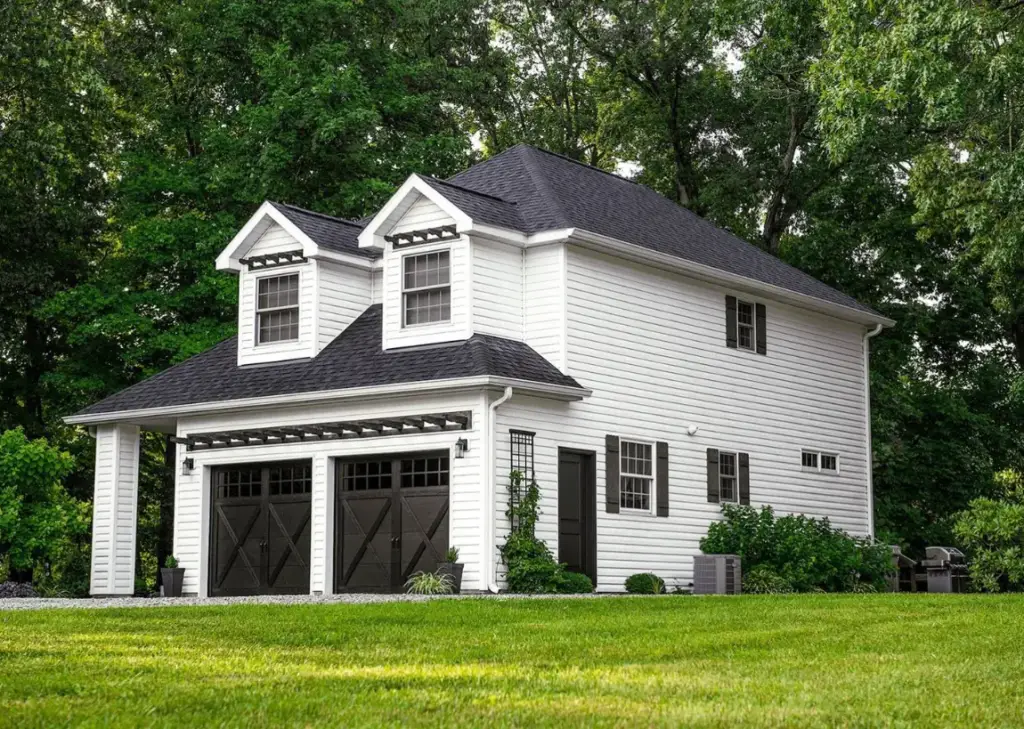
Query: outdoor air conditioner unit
{"points": [[717, 574]]}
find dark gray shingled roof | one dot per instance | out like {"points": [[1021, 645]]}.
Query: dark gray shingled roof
{"points": [[551, 191], [334, 234], [481, 207], [353, 359]]}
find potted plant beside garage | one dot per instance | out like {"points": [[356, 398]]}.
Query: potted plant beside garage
{"points": [[171, 577], [453, 568]]}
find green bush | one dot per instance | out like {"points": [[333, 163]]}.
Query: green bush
{"points": [[645, 583], [44, 532], [530, 566], [572, 583], [992, 533], [429, 583], [763, 580], [806, 553]]}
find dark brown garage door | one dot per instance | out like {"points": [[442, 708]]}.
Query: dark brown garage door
{"points": [[391, 520], [260, 529]]}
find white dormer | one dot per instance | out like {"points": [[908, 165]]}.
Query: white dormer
{"points": [[434, 253], [295, 296]]}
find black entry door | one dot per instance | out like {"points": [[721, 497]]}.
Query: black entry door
{"points": [[577, 512], [260, 540], [391, 520]]}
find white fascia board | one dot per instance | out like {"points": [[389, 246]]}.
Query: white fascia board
{"points": [[370, 238], [560, 392], [347, 259], [606, 244], [253, 229], [518, 238]]}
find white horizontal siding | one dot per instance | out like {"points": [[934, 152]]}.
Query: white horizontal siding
{"points": [[274, 240], [420, 215], [115, 505], [249, 352], [395, 335], [343, 294], [544, 302], [376, 285], [651, 345], [497, 289], [193, 502]]}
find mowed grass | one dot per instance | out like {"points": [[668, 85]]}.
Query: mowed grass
{"points": [[821, 660]]}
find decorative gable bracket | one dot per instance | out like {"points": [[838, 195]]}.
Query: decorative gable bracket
{"points": [[271, 260], [428, 235], [329, 431]]}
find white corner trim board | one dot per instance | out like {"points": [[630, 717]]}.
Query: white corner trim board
{"points": [[869, 455]]}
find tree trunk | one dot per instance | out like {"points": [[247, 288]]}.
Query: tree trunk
{"points": [[165, 532]]}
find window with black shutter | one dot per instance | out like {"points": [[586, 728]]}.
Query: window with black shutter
{"points": [[746, 325], [728, 477]]}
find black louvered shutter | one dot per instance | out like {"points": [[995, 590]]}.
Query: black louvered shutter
{"points": [[611, 474], [713, 483], [762, 339], [730, 321], [662, 477], [744, 478]]}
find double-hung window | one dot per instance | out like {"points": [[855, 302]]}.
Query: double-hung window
{"points": [[636, 475], [426, 289], [277, 308], [728, 490], [745, 325]]}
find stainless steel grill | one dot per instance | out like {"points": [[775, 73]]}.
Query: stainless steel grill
{"points": [[947, 569]]}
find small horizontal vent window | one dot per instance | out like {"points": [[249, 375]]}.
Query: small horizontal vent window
{"points": [[819, 461]]}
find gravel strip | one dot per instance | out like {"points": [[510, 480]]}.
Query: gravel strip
{"points": [[37, 603]]}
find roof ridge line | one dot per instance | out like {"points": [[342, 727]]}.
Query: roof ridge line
{"points": [[541, 181], [583, 164], [332, 218], [469, 190]]}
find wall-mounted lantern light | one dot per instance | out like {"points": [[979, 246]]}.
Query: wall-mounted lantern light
{"points": [[461, 446], [187, 465]]}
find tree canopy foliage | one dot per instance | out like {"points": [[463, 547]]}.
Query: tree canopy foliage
{"points": [[875, 145]]}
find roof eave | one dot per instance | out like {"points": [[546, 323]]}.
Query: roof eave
{"points": [[551, 391], [614, 246]]}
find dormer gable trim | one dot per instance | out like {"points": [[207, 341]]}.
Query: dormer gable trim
{"points": [[232, 257], [399, 203]]}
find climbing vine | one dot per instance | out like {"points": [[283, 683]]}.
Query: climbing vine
{"points": [[530, 566]]}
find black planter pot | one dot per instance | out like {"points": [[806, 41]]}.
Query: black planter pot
{"points": [[172, 579], [453, 570]]}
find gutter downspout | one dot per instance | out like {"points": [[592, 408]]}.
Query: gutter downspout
{"points": [[867, 427], [490, 575]]}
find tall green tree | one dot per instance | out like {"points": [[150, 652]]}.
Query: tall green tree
{"points": [[55, 146], [328, 104]]}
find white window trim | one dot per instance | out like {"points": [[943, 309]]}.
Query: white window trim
{"points": [[819, 454], [753, 325], [652, 499], [258, 311], [403, 291], [735, 476]]}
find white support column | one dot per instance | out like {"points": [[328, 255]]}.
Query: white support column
{"points": [[321, 545], [115, 510]]}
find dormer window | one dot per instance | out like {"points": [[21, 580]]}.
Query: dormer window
{"points": [[277, 309], [426, 289]]}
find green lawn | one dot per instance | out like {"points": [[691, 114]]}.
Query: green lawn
{"points": [[818, 660]]}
